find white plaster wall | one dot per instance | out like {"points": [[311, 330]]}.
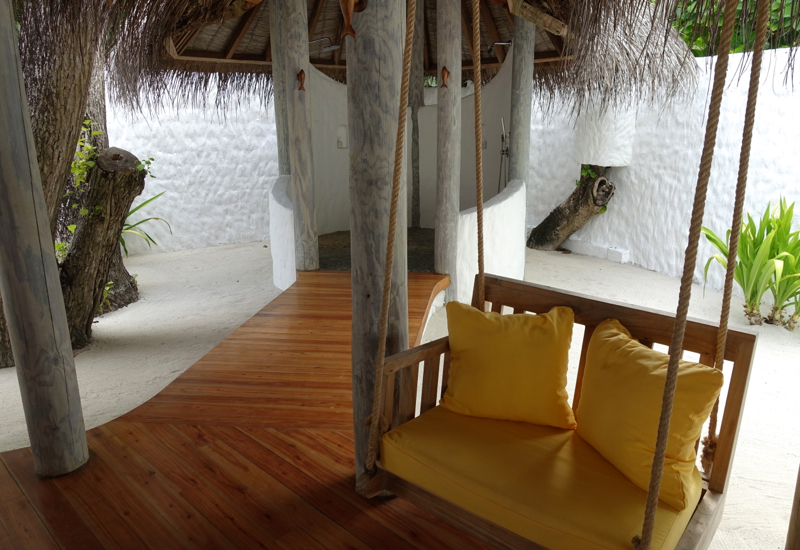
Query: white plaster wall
{"points": [[649, 214], [216, 173], [281, 232], [504, 239]]}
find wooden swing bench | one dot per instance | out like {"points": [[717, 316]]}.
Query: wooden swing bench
{"points": [[564, 494]]}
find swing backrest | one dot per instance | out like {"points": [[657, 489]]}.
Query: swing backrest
{"points": [[648, 326]]}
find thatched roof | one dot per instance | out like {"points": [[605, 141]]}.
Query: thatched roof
{"points": [[618, 51]]}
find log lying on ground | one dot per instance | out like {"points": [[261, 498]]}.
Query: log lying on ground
{"points": [[113, 185], [585, 202]]}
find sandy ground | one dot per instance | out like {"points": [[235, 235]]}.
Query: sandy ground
{"points": [[190, 301], [768, 453]]}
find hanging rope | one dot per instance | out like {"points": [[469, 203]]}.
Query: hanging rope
{"points": [[376, 420], [676, 348], [478, 79], [710, 442]]}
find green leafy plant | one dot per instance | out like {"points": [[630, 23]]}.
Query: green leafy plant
{"points": [[699, 36], [768, 260], [85, 155], [107, 291], [136, 228], [146, 166]]}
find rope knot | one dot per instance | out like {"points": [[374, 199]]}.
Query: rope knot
{"points": [[709, 452], [637, 542]]}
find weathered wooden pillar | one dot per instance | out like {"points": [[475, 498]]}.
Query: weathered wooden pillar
{"points": [[416, 99], [793, 536], [374, 66], [279, 85], [519, 148], [448, 141], [297, 73], [32, 299]]}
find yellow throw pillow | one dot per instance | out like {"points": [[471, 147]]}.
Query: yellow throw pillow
{"points": [[510, 367], [620, 406]]}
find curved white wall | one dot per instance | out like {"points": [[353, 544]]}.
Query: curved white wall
{"points": [[281, 233], [649, 214], [503, 239]]}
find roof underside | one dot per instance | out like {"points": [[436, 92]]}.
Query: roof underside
{"points": [[245, 40]]}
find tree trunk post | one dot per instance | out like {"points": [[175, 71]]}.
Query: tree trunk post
{"points": [[416, 99], [374, 68], [297, 73], [113, 185], [29, 283], [448, 142], [519, 148], [793, 536], [279, 85]]}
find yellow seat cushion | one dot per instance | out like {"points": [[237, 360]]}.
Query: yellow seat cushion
{"points": [[510, 367], [620, 407], [543, 483]]}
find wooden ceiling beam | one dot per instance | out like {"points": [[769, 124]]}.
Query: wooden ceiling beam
{"points": [[491, 30], [241, 30], [558, 42], [312, 25], [426, 47], [467, 31], [184, 39]]}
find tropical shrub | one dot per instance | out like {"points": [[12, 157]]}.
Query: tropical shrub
{"points": [[136, 228], [768, 260]]}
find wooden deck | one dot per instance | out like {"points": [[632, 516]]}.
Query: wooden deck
{"points": [[250, 448]]}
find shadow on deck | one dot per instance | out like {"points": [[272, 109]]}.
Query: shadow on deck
{"points": [[251, 447]]}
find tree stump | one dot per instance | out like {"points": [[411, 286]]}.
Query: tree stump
{"points": [[588, 199], [126, 291], [113, 185]]}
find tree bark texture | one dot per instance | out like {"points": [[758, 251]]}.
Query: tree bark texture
{"points": [[6, 355], [416, 99], [298, 106], [32, 300], [74, 199], [125, 290], [58, 44], [374, 68], [279, 86], [519, 148], [114, 184], [448, 142], [585, 202]]}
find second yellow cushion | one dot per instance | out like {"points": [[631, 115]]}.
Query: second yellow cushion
{"points": [[510, 367], [620, 407]]}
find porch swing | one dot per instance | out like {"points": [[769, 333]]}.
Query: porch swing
{"points": [[520, 485]]}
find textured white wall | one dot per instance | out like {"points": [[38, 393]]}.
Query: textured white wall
{"points": [[216, 173], [281, 234], [649, 214], [503, 239]]}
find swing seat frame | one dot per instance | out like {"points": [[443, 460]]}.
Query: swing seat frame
{"points": [[648, 326]]}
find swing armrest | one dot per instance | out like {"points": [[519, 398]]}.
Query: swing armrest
{"points": [[403, 369]]}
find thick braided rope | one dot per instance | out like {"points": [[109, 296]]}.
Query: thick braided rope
{"points": [[377, 398], [478, 79], [690, 260], [710, 442]]}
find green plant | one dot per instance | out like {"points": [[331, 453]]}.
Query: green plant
{"points": [[700, 36], [768, 260], [105, 302], [136, 229], [146, 166], [85, 155]]}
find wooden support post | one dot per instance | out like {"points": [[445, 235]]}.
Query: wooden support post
{"points": [[416, 99], [448, 141], [521, 97], [793, 536], [31, 291], [491, 30], [297, 73], [374, 68], [275, 52]]}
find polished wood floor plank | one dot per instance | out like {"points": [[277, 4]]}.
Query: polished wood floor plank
{"points": [[251, 447]]}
